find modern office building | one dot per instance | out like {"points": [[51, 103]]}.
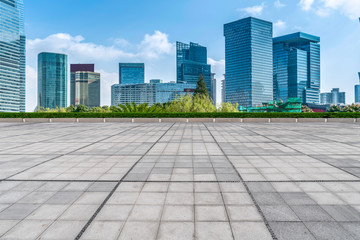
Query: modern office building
{"points": [[297, 67], [150, 93], [84, 85], [52, 80], [357, 91], [223, 91], [191, 62], [335, 97], [131, 73], [213, 88], [249, 62], [12, 56]]}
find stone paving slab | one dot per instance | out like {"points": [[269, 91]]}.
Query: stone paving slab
{"points": [[166, 180]]}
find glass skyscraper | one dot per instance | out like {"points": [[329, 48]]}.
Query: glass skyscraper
{"points": [[249, 62], [12, 56], [84, 85], [335, 97], [191, 62], [357, 91], [150, 93], [52, 80], [131, 73], [297, 67]]}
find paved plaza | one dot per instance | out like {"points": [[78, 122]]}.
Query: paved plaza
{"points": [[172, 181]]}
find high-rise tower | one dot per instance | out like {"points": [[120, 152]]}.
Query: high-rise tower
{"points": [[249, 62], [191, 62], [297, 67], [357, 91], [52, 80], [12, 56]]}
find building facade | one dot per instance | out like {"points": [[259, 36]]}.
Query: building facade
{"points": [[249, 62], [335, 97], [84, 85], [214, 88], [357, 91], [52, 80], [131, 73], [297, 67], [150, 93], [12, 56], [223, 91], [191, 62]]}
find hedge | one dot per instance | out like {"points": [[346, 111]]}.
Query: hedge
{"points": [[180, 115]]}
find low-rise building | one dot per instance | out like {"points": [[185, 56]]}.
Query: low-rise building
{"points": [[149, 93]]}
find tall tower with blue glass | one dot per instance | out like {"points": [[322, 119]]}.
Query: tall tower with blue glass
{"points": [[249, 61], [297, 67], [52, 80], [191, 62], [131, 73], [357, 92], [12, 56]]}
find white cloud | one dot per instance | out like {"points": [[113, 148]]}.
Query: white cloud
{"points": [[31, 88], [350, 8], [323, 8], [217, 67], [279, 26], [107, 80], [153, 46], [306, 4], [156, 45], [254, 10], [279, 4]]}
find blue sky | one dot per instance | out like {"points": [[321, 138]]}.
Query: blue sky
{"points": [[106, 32]]}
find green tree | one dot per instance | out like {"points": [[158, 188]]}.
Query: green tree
{"points": [[201, 87], [82, 108], [188, 103], [97, 110], [229, 107], [305, 108], [114, 109], [70, 108], [335, 108], [106, 108]]}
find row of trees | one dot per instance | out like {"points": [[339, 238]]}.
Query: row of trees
{"points": [[348, 108], [200, 101]]}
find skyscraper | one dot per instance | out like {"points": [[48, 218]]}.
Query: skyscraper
{"points": [[213, 88], [52, 80], [249, 61], [84, 85], [12, 56], [335, 97], [223, 90], [357, 91], [131, 73], [297, 67], [191, 62]]}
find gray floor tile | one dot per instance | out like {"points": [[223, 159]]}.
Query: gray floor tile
{"points": [[291, 230]]}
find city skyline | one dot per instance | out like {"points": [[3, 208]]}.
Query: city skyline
{"points": [[153, 43]]}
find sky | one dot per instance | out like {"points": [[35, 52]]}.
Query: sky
{"points": [[106, 32]]}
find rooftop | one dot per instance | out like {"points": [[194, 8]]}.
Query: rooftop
{"points": [[179, 181], [296, 37]]}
